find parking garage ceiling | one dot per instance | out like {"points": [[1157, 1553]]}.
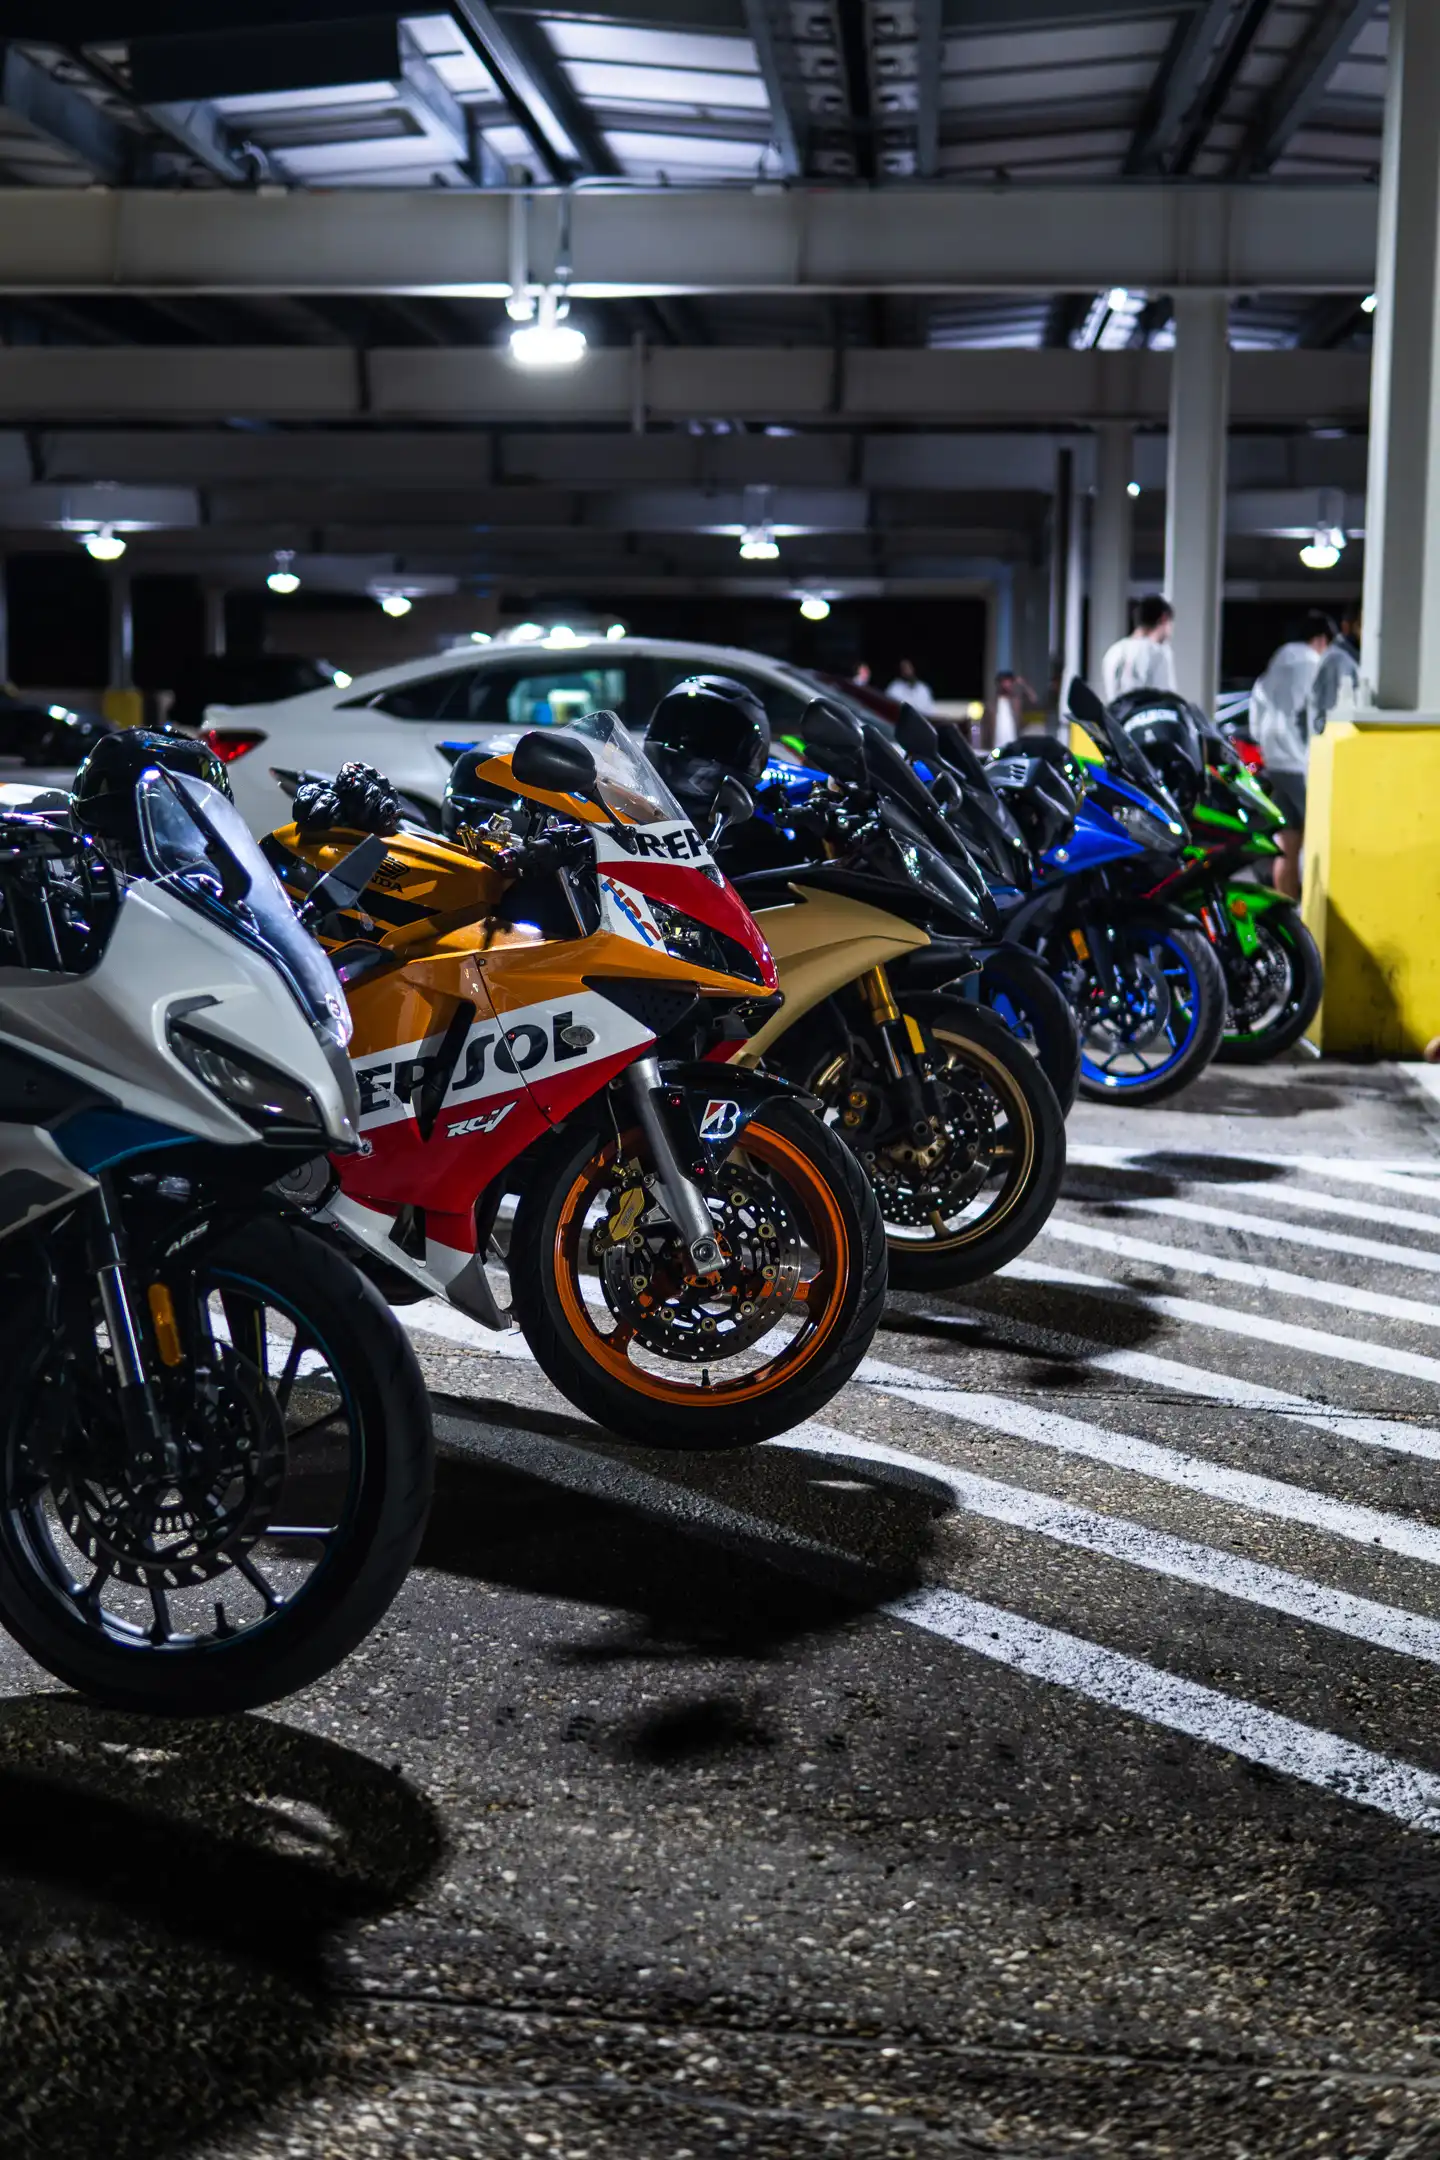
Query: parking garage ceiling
{"points": [[1256, 121]]}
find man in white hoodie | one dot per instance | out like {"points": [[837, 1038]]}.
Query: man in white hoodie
{"points": [[1280, 717], [1143, 660]]}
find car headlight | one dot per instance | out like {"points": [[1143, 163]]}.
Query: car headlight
{"points": [[266, 1099], [1162, 834], [686, 939]]}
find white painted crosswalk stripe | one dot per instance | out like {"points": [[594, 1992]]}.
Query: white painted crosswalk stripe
{"points": [[1169, 1466], [1151, 1370], [1227, 1320], [1387, 1627], [1336, 1241], [1124, 1683], [1254, 1274]]}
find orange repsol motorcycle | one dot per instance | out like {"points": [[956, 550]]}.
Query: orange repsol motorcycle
{"points": [[693, 1258]]}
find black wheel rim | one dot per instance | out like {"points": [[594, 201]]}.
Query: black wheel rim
{"points": [[261, 1493]]}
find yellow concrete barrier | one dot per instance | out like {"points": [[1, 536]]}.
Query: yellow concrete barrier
{"points": [[126, 708], [1372, 885]]}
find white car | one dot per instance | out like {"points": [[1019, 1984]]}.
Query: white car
{"points": [[404, 718]]}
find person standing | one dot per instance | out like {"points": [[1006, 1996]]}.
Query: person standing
{"points": [[1144, 660], [1007, 715], [1280, 722], [861, 676], [908, 689]]}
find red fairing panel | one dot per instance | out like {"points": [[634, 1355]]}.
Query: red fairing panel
{"points": [[669, 865]]}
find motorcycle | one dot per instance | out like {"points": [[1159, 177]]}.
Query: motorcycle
{"points": [[1138, 971], [538, 1000], [1274, 975], [215, 1441], [872, 912]]}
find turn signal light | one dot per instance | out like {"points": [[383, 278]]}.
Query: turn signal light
{"points": [[230, 743]]}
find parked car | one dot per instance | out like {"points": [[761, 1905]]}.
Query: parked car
{"points": [[226, 679], [400, 718], [40, 734]]}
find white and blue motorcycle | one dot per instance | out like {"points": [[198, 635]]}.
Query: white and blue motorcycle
{"points": [[215, 1445]]}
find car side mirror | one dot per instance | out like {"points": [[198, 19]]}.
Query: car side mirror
{"points": [[550, 763], [732, 806]]}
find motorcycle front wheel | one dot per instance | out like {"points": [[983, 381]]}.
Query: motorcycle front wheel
{"points": [[286, 1517], [1274, 992], [607, 1299], [1167, 1025]]}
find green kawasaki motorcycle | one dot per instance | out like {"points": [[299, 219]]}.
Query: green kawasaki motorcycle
{"points": [[1273, 971]]}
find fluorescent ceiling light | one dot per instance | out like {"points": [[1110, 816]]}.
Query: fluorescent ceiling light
{"points": [[814, 607], [282, 578], [395, 603], [758, 544], [1324, 550]]}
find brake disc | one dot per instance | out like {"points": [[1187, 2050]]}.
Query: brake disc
{"points": [[649, 1284]]}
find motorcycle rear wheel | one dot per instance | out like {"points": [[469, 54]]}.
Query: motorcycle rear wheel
{"points": [[667, 1362], [1292, 961], [216, 1590], [1193, 984]]}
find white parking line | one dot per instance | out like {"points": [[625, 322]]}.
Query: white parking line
{"points": [[1336, 1241], [1411, 1180], [1123, 1683], [1146, 1458], [1154, 1371], [1316, 1203], [1254, 1275], [1114, 1537], [1226, 1320]]}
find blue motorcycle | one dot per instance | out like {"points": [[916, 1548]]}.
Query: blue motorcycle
{"points": [[1140, 975]]}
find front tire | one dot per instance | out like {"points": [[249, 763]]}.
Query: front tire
{"points": [[667, 1363], [1176, 991], [309, 1397], [1274, 1004]]}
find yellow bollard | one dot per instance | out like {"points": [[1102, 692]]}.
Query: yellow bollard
{"points": [[1372, 885]]}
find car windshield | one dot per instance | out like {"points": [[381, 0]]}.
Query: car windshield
{"points": [[197, 841], [629, 785]]}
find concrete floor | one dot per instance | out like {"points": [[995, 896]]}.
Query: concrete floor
{"points": [[1040, 1758]]}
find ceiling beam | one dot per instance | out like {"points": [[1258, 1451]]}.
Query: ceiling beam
{"points": [[928, 52], [1177, 85], [803, 385], [1233, 53], [1321, 48], [533, 84], [633, 242], [771, 32], [63, 116]]}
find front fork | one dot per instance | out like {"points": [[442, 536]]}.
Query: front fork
{"points": [[146, 1427], [687, 1210], [901, 1044]]}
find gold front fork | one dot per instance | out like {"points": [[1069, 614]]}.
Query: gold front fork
{"points": [[874, 987]]}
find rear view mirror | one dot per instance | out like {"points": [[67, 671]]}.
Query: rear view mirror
{"points": [[1085, 706], [917, 737], [733, 805], [836, 739], [553, 764]]}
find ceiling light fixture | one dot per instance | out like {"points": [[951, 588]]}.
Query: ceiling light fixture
{"points": [[1324, 549], [549, 341], [1132, 487], [282, 578], [480, 637], [758, 544], [105, 545], [526, 633], [616, 630], [814, 607], [395, 603], [1368, 304]]}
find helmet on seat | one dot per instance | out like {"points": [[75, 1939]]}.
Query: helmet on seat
{"points": [[103, 792], [715, 718]]}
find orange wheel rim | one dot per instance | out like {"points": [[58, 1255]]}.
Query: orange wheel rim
{"points": [[819, 1301]]}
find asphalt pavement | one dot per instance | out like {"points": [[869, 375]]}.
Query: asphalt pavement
{"points": [[1037, 1756]]}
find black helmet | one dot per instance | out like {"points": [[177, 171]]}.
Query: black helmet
{"points": [[103, 795], [715, 718], [1038, 790], [1170, 731]]}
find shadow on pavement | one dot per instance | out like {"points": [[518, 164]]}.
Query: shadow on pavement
{"points": [[169, 1898]]}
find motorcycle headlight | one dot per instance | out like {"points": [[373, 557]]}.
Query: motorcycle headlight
{"points": [[686, 939], [1164, 835], [268, 1100]]}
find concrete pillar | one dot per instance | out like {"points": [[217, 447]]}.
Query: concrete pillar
{"points": [[1195, 488], [214, 621], [1074, 647], [4, 620], [1112, 536], [1062, 513], [1400, 659], [122, 632]]}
